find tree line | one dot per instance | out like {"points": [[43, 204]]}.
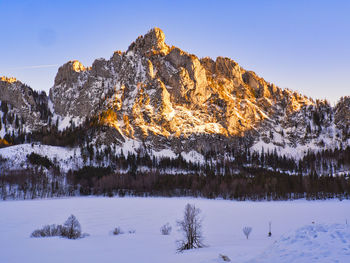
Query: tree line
{"points": [[250, 184]]}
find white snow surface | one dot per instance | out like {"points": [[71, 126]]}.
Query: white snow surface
{"points": [[193, 156], [311, 243], [294, 237]]}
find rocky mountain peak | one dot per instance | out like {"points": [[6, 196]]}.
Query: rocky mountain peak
{"points": [[164, 95], [24, 102], [69, 71], [77, 66], [8, 79], [151, 43]]}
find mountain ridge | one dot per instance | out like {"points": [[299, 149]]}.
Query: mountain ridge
{"points": [[167, 98]]}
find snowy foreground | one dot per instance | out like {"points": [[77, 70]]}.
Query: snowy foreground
{"points": [[294, 237]]}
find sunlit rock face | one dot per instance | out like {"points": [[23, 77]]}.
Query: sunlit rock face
{"points": [[168, 97], [152, 43]]}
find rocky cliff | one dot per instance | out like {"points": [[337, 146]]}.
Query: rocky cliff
{"points": [[166, 98], [22, 108]]}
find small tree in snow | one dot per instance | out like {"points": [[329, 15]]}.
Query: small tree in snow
{"points": [[166, 229], [71, 228], [246, 231], [191, 226]]}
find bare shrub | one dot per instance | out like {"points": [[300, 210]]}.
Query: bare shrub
{"points": [[118, 231], [166, 229], [71, 229], [36, 233], [191, 226], [48, 231], [246, 231]]}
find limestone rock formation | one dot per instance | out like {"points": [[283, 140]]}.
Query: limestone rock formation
{"points": [[167, 98], [30, 106], [159, 91], [342, 116]]}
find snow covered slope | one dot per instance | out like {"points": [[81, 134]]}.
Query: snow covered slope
{"points": [[222, 228], [16, 156], [311, 243]]}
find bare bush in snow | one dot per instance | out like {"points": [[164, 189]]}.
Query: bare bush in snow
{"points": [[71, 229], [48, 231], [166, 229], [246, 231]]}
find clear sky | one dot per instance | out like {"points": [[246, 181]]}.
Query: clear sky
{"points": [[301, 45]]}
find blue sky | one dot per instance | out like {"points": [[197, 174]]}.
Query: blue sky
{"points": [[301, 45]]}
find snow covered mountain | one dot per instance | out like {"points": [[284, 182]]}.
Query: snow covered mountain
{"points": [[168, 100], [22, 109]]}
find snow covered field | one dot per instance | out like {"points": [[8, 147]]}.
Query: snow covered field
{"points": [[294, 237]]}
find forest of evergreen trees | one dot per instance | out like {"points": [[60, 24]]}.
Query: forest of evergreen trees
{"points": [[235, 174], [262, 177]]}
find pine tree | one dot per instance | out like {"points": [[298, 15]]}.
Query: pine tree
{"points": [[72, 228]]}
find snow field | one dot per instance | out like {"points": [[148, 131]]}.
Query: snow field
{"points": [[222, 229], [311, 243]]}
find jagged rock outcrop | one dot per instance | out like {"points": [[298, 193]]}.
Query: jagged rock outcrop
{"points": [[168, 98], [342, 116], [28, 105], [153, 43], [157, 90]]}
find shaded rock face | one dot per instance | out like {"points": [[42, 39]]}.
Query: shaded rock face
{"points": [[342, 116], [166, 96], [24, 102]]}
